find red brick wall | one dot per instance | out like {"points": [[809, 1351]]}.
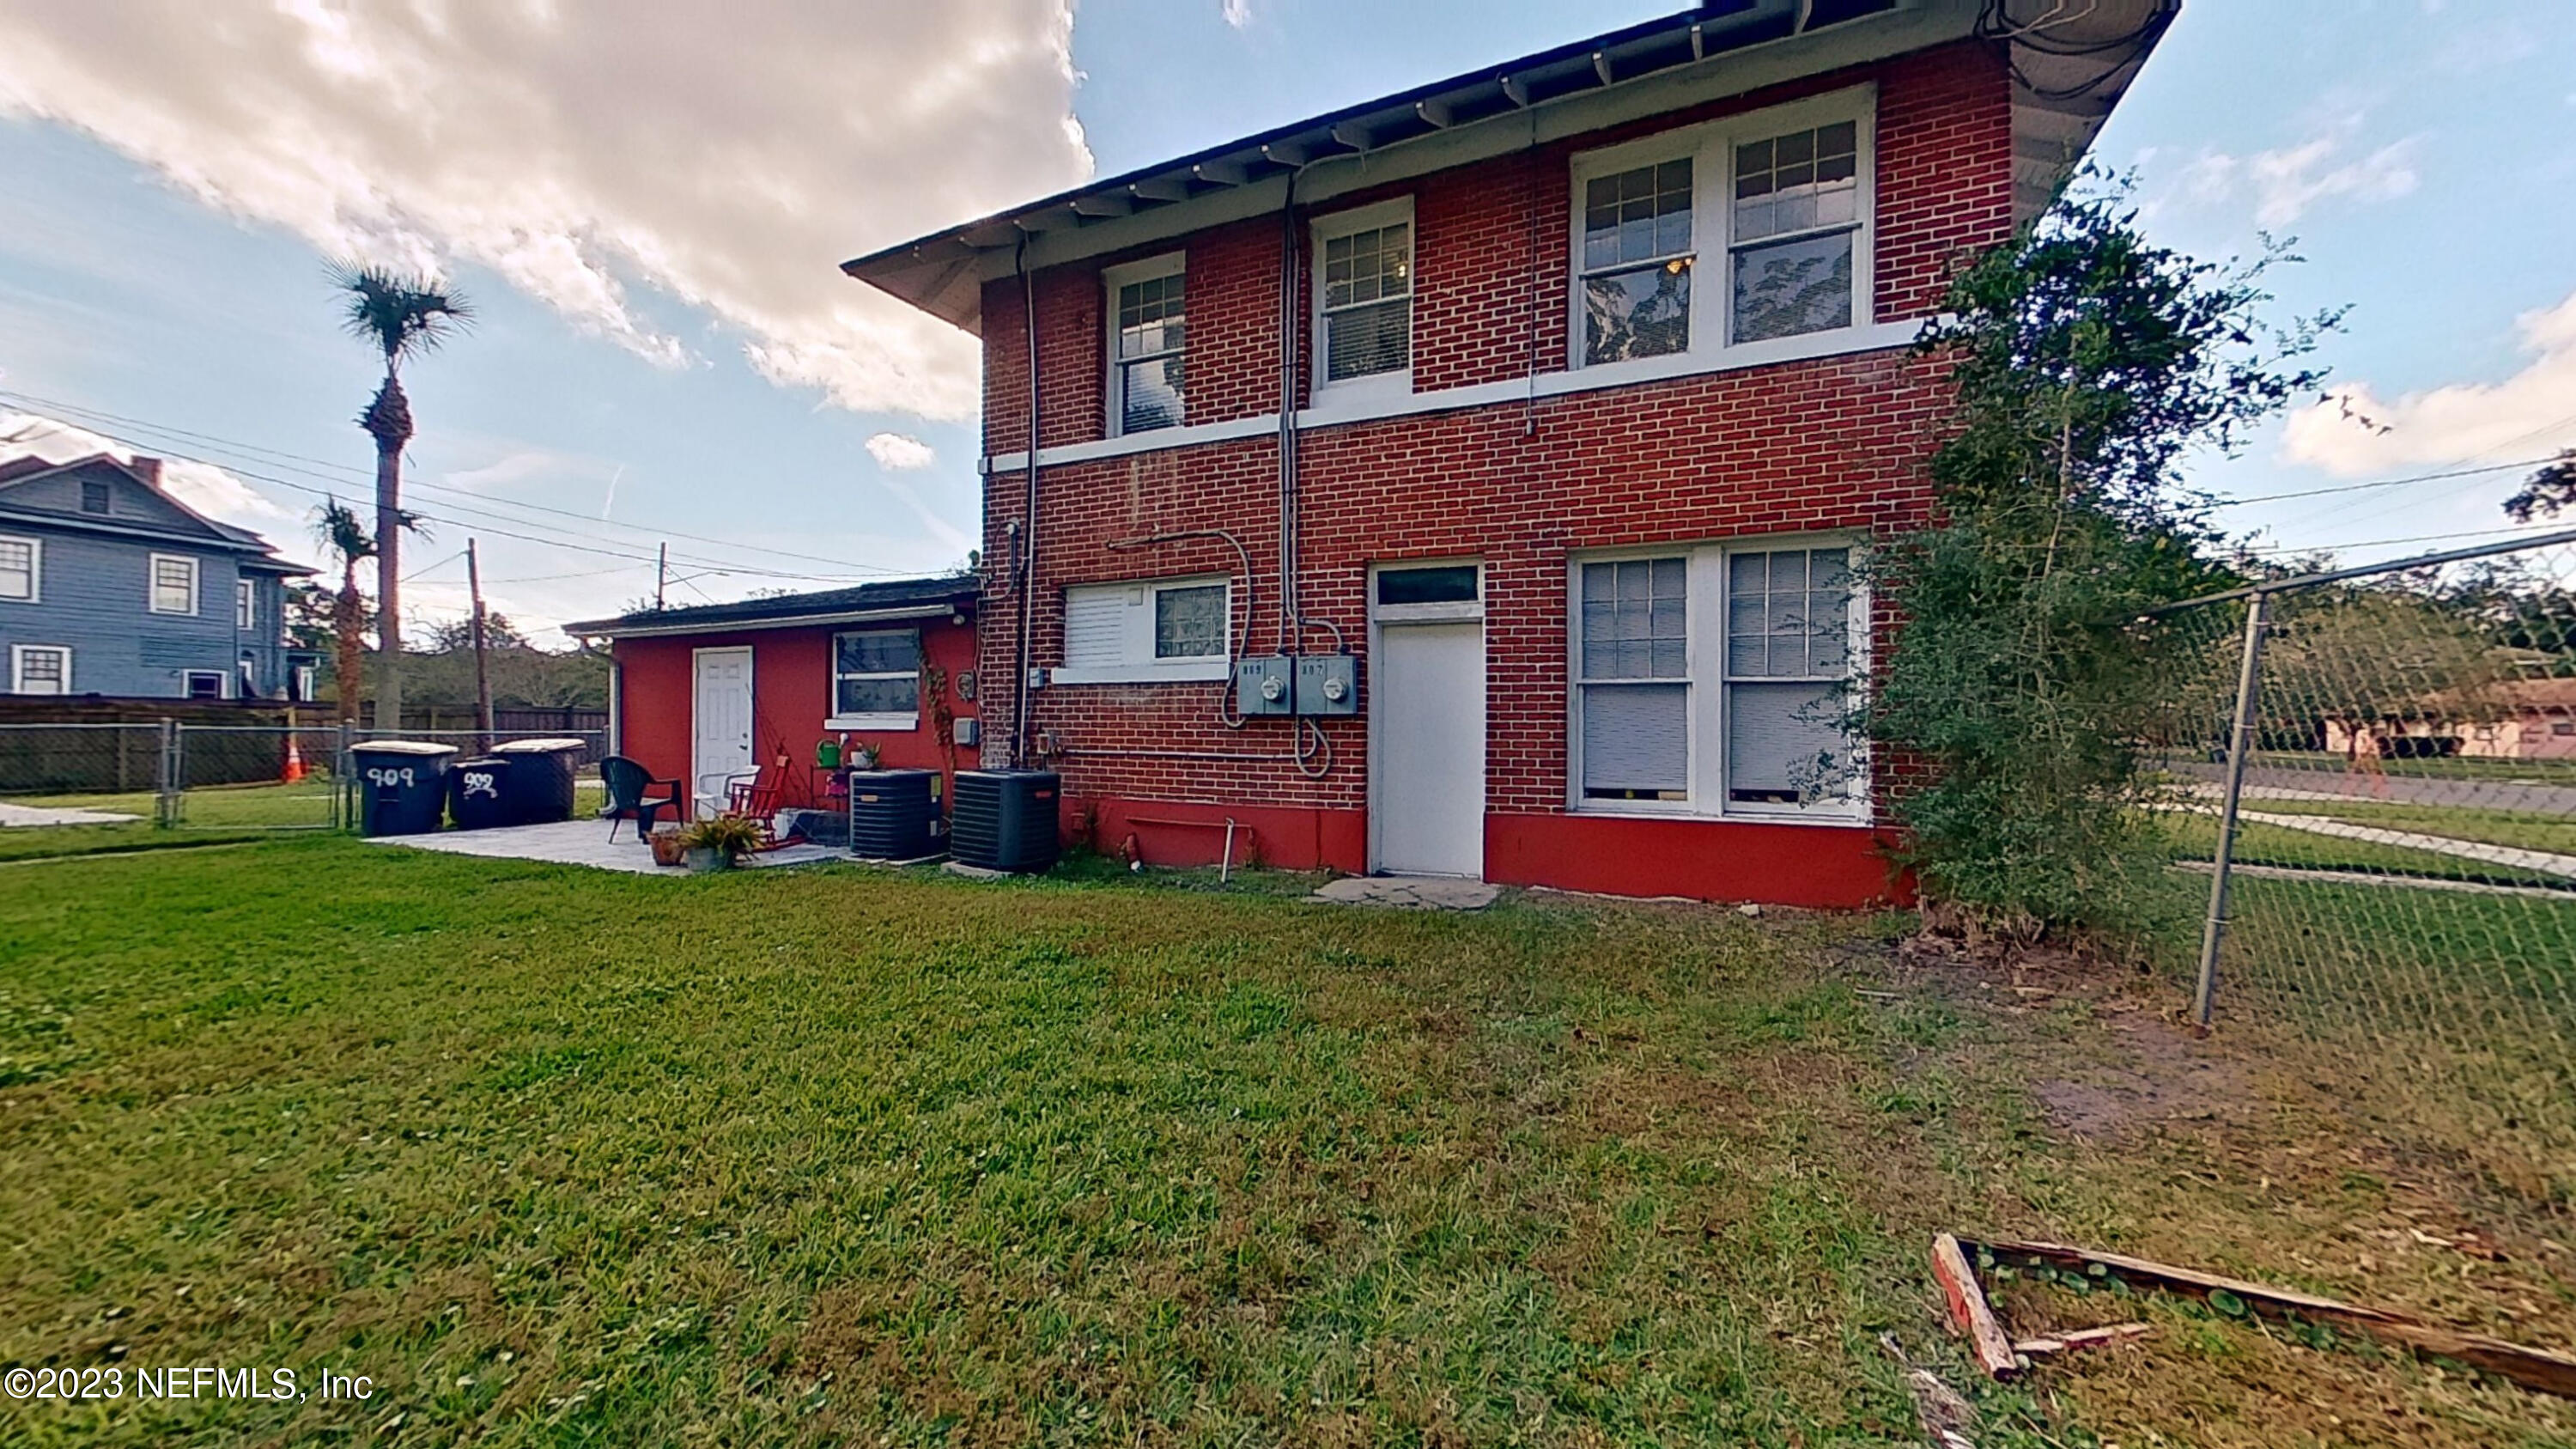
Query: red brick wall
{"points": [[1834, 443], [791, 683]]}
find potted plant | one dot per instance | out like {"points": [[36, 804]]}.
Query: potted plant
{"points": [[863, 757], [665, 841], [718, 842]]}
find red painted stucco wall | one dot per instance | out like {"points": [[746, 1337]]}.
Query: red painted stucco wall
{"points": [[791, 685]]}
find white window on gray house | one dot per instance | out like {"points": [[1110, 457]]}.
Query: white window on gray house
{"points": [[1788, 666], [1148, 342], [876, 679], [40, 669], [1636, 262], [174, 584], [205, 684], [245, 605], [1146, 631], [1716, 680], [21, 569], [1365, 302], [1797, 212], [1635, 681]]}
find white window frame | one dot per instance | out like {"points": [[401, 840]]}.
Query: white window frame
{"points": [[1114, 388], [245, 606], [1340, 224], [1136, 663], [1448, 611], [1711, 150], [882, 721], [223, 679], [18, 665], [1704, 610], [152, 585], [35, 571]]}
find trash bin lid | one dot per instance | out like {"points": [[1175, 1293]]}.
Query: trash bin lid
{"points": [[538, 746], [402, 747]]}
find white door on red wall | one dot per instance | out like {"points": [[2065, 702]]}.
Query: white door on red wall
{"points": [[1427, 750], [720, 730]]}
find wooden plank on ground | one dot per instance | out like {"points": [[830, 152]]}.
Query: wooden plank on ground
{"points": [[2530, 1367], [1969, 1309]]}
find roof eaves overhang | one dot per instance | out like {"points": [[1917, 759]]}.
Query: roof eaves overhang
{"points": [[2070, 69], [643, 627]]}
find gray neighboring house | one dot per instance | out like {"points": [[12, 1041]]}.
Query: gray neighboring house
{"points": [[110, 586]]}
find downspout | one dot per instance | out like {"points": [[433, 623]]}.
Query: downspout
{"points": [[1291, 630], [1024, 556]]}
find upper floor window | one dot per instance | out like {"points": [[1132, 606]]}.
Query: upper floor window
{"points": [[1148, 342], [1783, 196], [1364, 294], [876, 680], [21, 569], [245, 605], [94, 497], [174, 584]]}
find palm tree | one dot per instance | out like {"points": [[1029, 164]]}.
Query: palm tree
{"points": [[340, 531], [403, 314]]}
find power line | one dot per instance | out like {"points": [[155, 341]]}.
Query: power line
{"points": [[357, 477], [2534, 529], [2382, 483]]}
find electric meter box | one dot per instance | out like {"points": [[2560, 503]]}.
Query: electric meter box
{"points": [[1264, 686], [1328, 684]]}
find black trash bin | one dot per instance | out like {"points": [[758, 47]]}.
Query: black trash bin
{"points": [[402, 785], [479, 792], [539, 784]]}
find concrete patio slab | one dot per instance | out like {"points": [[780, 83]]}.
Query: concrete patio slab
{"points": [[15, 815], [585, 842], [1409, 892]]}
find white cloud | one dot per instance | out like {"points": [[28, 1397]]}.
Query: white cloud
{"points": [[2529, 414], [1238, 13], [2287, 182], [727, 156], [202, 486], [894, 450]]}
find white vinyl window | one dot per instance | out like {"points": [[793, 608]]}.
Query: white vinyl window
{"points": [[1148, 345], [245, 605], [876, 680], [40, 669], [1716, 680], [1147, 631], [1783, 196], [22, 567], [174, 584], [1364, 297], [205, 684]]}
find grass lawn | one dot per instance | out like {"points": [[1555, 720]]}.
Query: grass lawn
{"points": [[2194, 837], [2331, 766], [565, 1157], [2526, 829]]}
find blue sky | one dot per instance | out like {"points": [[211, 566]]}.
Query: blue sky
{"points": [[2423, 153]]}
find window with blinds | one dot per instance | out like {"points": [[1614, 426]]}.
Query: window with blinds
{"points": [[1636, 680], [1148, 345], [876, 678], [1147, 630]]}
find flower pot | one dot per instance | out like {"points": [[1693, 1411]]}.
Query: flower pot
{"points": [[703, 858], [665, 841]]}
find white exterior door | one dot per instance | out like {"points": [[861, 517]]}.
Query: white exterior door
{"points": [[721, 725], [1427, 755]]}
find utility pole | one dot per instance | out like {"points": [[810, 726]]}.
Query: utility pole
{"points": [[661, 571], [482, 668]]}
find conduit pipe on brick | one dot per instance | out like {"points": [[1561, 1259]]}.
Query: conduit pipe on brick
{"points": [[1024, 562]]}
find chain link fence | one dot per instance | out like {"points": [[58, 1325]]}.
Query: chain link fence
{"points": [[185, 774], [2371, 783]]}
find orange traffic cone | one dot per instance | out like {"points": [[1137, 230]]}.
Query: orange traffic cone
{"points": [[294, 763]]}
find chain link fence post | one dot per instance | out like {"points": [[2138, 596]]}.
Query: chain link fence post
{"points": [[2249, 684], [166, 780]]}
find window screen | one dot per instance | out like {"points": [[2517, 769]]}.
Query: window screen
{"points": [[1148, 352], [1635, 679], [1797, 211], [1788, 660], [1637, 260], [877, 671], [1368, 302]]}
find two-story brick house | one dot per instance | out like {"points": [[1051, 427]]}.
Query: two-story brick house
{"points": [[1595, 377], [108, 585]]}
